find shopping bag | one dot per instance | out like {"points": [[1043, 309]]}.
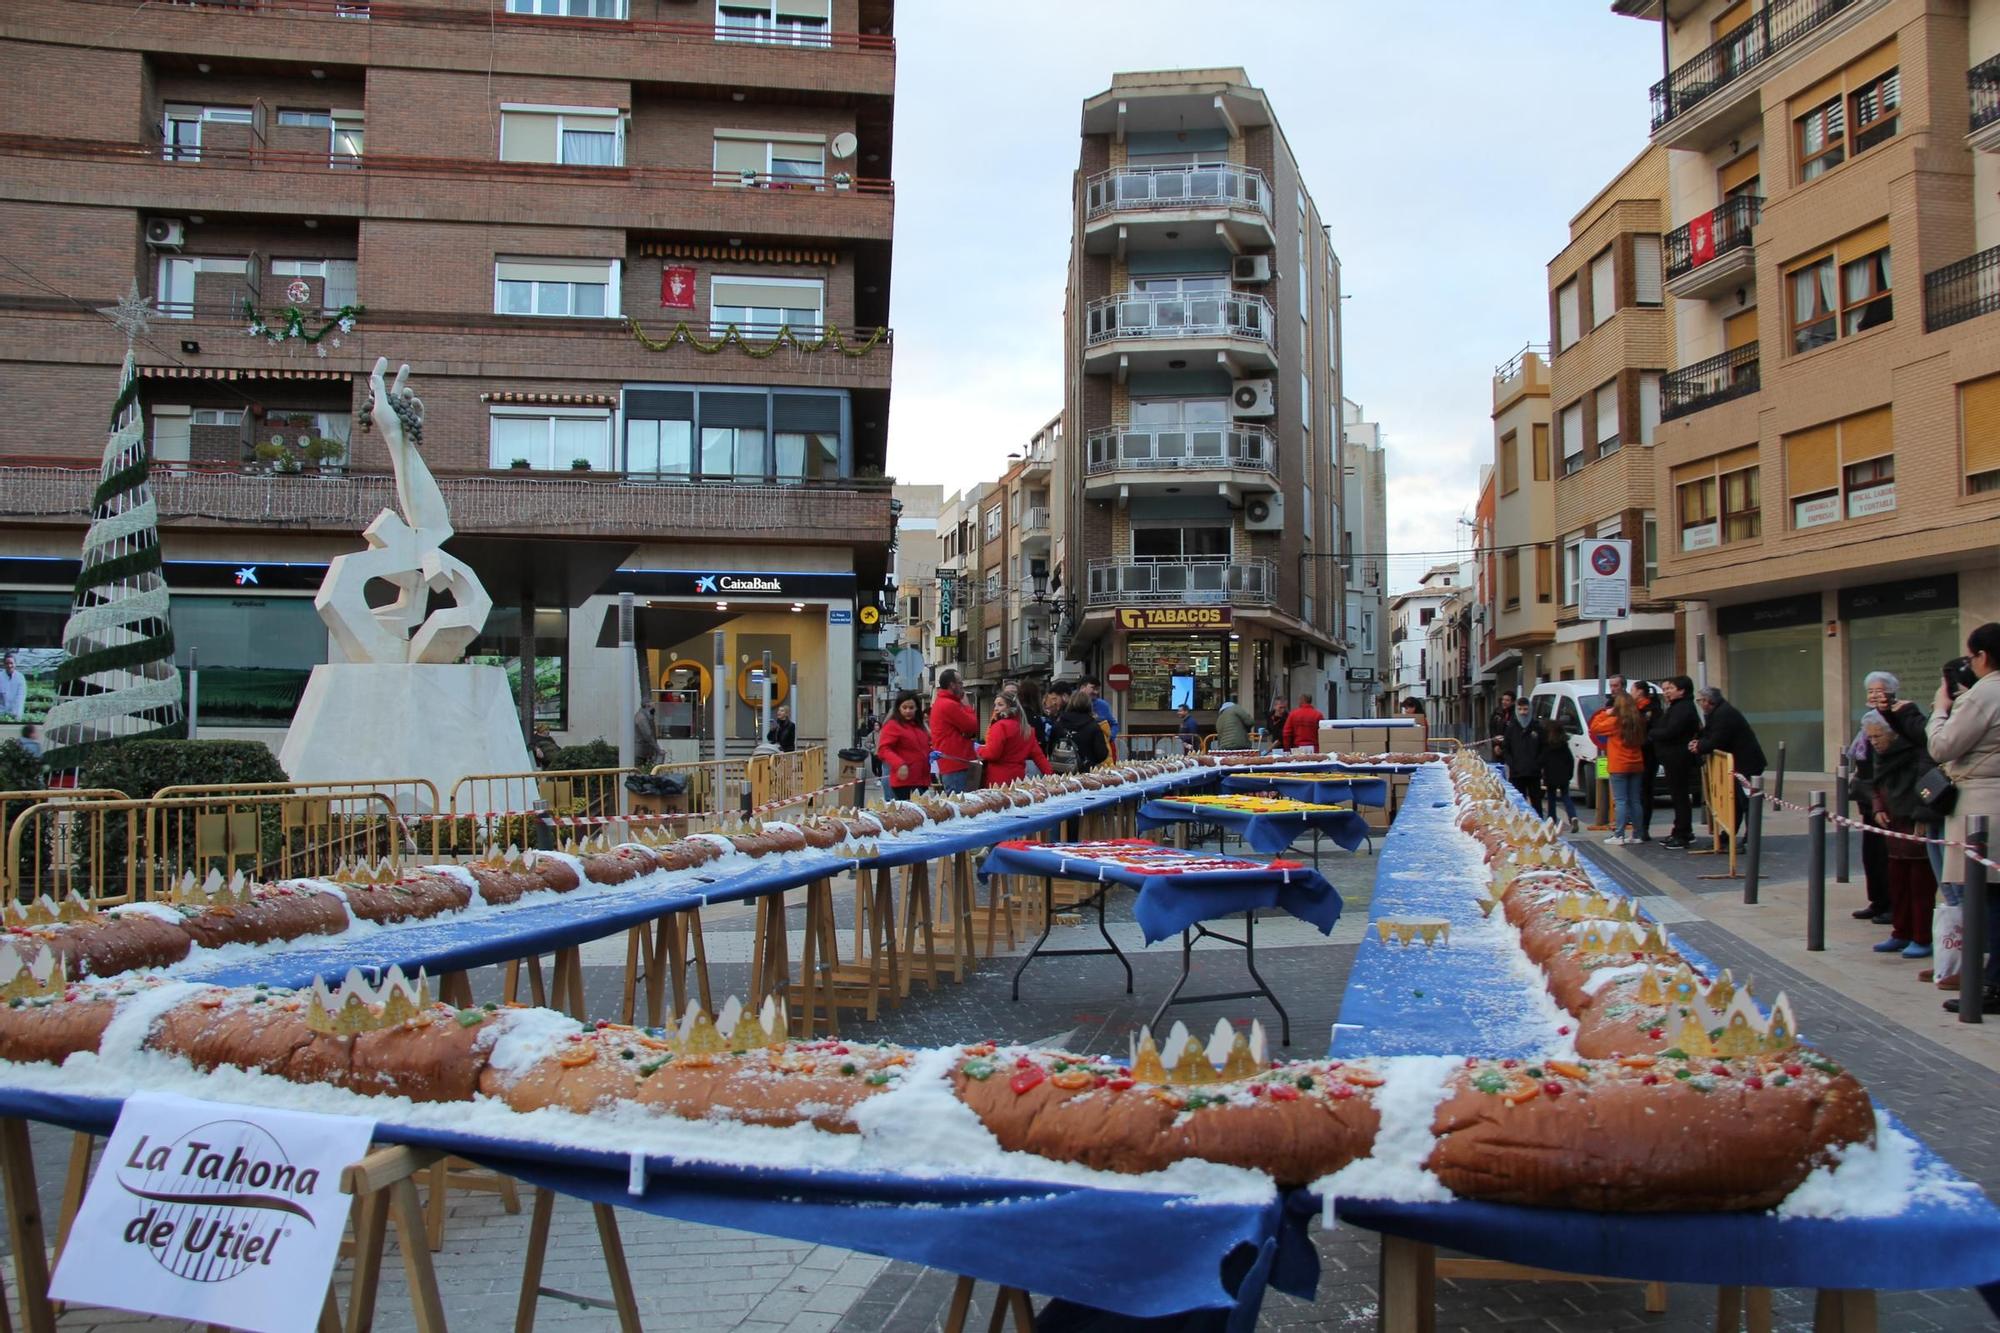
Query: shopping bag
{"points": [[1947, 944]]}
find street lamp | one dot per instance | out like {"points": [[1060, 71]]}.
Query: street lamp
{"points": [[1047, 594]]}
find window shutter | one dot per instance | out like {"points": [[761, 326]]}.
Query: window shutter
{"points": [[1736, 174], [804, 9], [1812, 461], [1603, 289], [659, 405], [1567, 314], [733, 409], [1868, 435], [1864, 242], [740, 154], [1739, 329], [1607, 413], [554, 270], [527, 136], [1646, 270], [1876, 63], [768, 296], [805, 412], [1542, 459], [1572, 429], [1979, 414], [1649, 405]]}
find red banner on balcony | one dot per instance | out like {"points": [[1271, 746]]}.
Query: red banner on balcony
{"points": [[677, 287], [1701, 237]]}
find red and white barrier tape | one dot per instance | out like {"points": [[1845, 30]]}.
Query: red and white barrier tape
{"points": [[1846, 822]]}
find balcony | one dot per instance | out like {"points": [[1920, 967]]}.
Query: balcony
{"points": [[1713, 253], [1700, 102], [1233, 460], [1033, 529], [1218, 581], [1165, 208], [1035, 464], [596, 504], [1151, 330], [1983, 84], [1037, 653], [1526, 369], [254, 178], [1965, 290], [1706, 383]]}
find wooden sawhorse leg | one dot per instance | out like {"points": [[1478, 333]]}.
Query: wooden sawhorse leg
{"points": [[450, 1173], [917, 911], [1006, 1301], [1844, 1311], [679, 938], [24, 1226], [383, 1188], [623, 1299], [771, 955], [1735, 1305], [566, 984]]}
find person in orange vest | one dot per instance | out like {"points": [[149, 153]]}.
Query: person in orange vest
{"points": [[1302, 725]]}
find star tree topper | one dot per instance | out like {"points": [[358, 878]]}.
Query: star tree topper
{"points": [[132, 313]]}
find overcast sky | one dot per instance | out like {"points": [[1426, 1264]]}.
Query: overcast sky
{"points": [[1447, 143]]}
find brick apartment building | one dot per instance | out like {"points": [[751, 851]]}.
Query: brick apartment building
{"points": [[525, 203], [1829, 463], [1202, 470]]}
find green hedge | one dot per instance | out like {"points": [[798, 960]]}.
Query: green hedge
{"points": [[19, 770], [142, 768], [599, 753]]}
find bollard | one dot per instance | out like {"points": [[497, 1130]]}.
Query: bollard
{"points": [[1778, 787], [1753, 839], [1972, 952], [1840, 793], [1816, 874]]}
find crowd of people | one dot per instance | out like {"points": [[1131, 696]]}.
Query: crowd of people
{"points": [[1917, 779], [942, 746]]}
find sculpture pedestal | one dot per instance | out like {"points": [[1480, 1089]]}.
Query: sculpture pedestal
{"points": [[368, 720]]}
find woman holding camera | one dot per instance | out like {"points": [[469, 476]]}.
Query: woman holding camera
{"points": [[1964, 734]]}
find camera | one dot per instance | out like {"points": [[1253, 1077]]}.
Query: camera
{"points": [[1958, 676]]}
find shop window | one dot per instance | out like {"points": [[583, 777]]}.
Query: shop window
{"points": [[256, 654], [548, 441], [1910, 643], [499, 644], [1774, 679], [1742, 517], [1167, 666]]}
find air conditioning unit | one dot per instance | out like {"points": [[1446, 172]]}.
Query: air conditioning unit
{"points": [[165, 233], [1255, 398], [1250, 268], [1264, 513]]}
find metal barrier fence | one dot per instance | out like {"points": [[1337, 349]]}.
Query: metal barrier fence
{"points": [[119, 851], [309, 811], [778, 780], [13, 803], [488, 810]]}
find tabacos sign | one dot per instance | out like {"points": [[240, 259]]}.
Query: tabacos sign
{"points": [[1173, 617], [216, 1214]]}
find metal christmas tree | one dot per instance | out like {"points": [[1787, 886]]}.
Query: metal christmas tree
{"points": [[118, 680]]}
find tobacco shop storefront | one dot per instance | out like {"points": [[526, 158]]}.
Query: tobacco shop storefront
{"points": [[1180, 657]]}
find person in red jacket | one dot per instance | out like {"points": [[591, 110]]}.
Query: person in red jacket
{"points": [[1302, 725], [904, 748], [954, 731], [1010, 744]]}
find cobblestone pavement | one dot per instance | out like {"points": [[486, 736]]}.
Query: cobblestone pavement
{"points": [[697, 1277]]}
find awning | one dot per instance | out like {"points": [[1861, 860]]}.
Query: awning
{"points": [[237, 373], [551, 399], [755, 254]]}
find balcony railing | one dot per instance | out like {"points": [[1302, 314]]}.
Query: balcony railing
{"points": [[1150, 447], [1514, 365], [1772, 28], [1179, 315], [1983, 83], [1195, 581], [1962, 291], [1139, 189], [1034, 521], [1706, 383], [1704, 239]]}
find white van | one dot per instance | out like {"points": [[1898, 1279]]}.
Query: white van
{"points": [[1574, 703]]}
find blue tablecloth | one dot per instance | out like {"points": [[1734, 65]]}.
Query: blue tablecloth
{"points": [[1462, 998], [1269, 833], [472, 940], [1102, 1247], [1170, 903], [1360, 788]]}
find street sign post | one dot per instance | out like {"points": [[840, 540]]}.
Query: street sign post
{"points": [[1118, 676], [1604, 592]]}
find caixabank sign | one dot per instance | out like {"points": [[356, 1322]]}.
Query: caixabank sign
{"points": [[217, 1214], [728, 583]]}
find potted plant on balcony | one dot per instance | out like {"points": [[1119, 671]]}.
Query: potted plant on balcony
{"points": [[519, 465], [579, 465], [326, 454], [274, 456], [842, 180]]}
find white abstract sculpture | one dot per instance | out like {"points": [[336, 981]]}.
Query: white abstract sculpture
{"points": [[406, 551]]}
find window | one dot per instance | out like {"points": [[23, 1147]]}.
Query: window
{"points": [[1874, 108], [579, 288], [1871, 486], [1567, 317], [1541, 451], [993, 523], [766, 305], [1510, 463], [1646, 271], [1545, 574], [1843, 293], [572, 136], [1572, 568], [178, 281], [306, 119], [172, 441], [1176, 544], [1649, 528], [1607, 417], [993, 587], [1865, 299], [748, 158], [1426, 615], [180, 128], [1979, 434], [659, 448], [550, 440], [573, 9], [788, 22], [1821, 139], [1696, 500], [337, 278], [259, 650], [1572, 437], [1649, 405], [1854, 457], [1603, 289], [1306, 400], [1510, 578], [1742, 518]]}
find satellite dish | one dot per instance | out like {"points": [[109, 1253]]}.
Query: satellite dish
{"points": [[844, 144]]}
